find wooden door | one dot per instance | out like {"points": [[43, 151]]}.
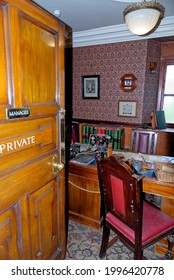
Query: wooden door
{"points": [[32, 190]]}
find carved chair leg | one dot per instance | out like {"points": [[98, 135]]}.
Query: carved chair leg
{"points": [[170, 239], [105, 240], [138, 254]]}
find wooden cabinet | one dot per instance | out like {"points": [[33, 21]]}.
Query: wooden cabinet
{"points": [[84, 195], [32, 204], [165, 141]]}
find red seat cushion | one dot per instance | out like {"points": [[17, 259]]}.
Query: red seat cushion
{"points": [[155, 223]]}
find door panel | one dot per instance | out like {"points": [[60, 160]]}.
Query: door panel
{"points": [[8, 235], [15, 242], [4, 58], [44, 225], [28, 139], [38, 43], [27, 179]]}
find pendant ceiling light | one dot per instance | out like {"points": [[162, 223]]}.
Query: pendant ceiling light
{"points": [[143, 17]]}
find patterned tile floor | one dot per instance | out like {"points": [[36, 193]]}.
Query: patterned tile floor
{"points": [[84, 244]]}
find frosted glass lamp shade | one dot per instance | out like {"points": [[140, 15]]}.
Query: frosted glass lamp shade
{"points": [[141, 18]]}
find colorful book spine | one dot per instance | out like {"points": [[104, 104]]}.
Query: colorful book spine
{"points": [[119, 136], [83, 133], [75, 132], [100, 129], [94, 130], [91, 130], [73, 135], [86, 134], [115, 139], [110, 134], [114, 132]]}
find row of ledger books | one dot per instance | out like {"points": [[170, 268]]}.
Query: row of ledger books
{"points": [[115, 133]]}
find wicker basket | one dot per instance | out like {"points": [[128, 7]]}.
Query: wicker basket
{"points": [[164, 171]]}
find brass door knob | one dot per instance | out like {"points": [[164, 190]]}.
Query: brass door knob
{"points": [[57, 166]]}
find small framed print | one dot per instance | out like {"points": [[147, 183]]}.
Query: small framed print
{"points": [[128, 82], [91, 87], [127, 108]]}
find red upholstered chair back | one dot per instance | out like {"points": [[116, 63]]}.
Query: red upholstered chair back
{"points": [[121, 192], [144, 141]]}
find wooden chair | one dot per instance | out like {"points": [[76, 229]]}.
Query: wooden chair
{"points": [[135, 222], [144, 141]]}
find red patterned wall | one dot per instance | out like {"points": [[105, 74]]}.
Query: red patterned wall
{"points": [[111, 61]]}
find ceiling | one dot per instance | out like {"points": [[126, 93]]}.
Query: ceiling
{"points": [[84, 15]]}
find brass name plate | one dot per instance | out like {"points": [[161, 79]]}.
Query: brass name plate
{"points": [[17, 113]]}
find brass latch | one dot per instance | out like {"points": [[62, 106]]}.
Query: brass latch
{"points": [[57, 166]]}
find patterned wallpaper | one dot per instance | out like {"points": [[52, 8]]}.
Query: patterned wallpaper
{"points": [[111, 62]]}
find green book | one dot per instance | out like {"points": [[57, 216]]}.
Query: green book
{"points": [[83, 134], [115, 140], [112, 138], [91, 130], [107, 131], [87, 134], [119, 136]]}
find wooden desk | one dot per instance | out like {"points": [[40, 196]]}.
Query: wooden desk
{"points": [[152, 185], [84, 197], [84, 194], [166, 191]]}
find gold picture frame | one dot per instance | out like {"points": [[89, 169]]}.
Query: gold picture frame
{"points": [[127, 108]]}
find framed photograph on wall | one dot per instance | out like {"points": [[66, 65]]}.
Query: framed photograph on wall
{"points": [[91, 87], [127, 108]]}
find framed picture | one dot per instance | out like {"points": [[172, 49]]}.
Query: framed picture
{"points": [[91, 87], [127, 108], [128, 82]]}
